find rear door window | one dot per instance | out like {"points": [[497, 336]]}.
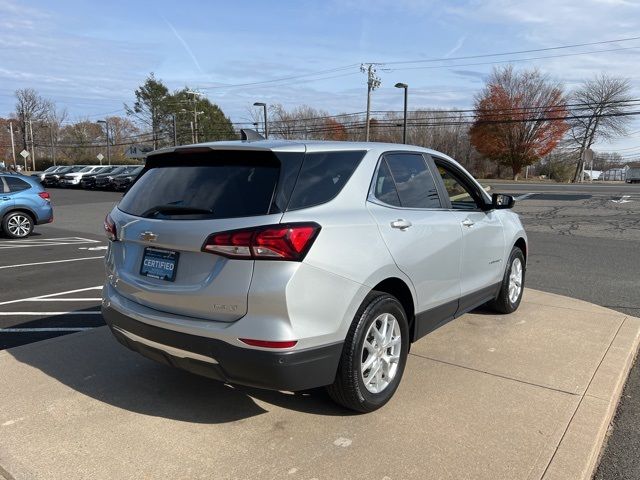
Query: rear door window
{"points": [[413, 180], [16, 184], [385, 188], [322, 177]]}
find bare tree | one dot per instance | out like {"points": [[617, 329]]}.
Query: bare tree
{"points": [[31, 107], [599, 110]]}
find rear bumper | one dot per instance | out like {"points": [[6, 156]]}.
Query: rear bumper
{"points": [[289, 370]]}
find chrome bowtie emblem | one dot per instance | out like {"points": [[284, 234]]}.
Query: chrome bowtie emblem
{"points": [[148, 236]]}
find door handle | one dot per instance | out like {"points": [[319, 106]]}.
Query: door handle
{"points": [[401, 224], [5, 198], [468, 223]]}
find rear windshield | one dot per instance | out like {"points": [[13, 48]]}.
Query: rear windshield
{"points": [[243, 183], [206, 185]]}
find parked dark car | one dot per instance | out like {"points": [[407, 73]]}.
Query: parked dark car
{"points": [[89, 181], [104, 180], [53, 179], [122, 182]]}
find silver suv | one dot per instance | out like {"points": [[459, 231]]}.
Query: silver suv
{"points": [[292, 265]]}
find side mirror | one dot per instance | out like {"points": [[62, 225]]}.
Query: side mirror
{"points": [[502, 201]]}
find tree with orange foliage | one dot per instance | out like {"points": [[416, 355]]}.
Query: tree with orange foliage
{"points": [[334, 130], [519, 118]]}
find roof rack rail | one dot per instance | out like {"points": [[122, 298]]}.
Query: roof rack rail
{"points": [[249, 134]]}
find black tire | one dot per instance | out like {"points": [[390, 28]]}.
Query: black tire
{"points": [[9, 228], [349, 389], [502, 303]]}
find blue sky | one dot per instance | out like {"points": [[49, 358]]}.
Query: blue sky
{"points": [[89, 56]]}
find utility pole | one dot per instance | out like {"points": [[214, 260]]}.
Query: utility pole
{"points": [[13, 145], [33, 146], [373, 82]]}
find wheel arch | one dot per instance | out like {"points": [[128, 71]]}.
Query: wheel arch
{"points": [[399, 289], [521, 243], [25, 210]]}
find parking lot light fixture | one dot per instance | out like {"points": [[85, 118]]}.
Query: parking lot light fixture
{"points": [[404, 125], [266, 123]]}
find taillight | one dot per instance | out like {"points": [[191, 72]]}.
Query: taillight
{"points": [[268, 343], [289, 241], [110, 228], [45, 196]]}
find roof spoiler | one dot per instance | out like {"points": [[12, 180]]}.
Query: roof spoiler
{"points": [[249, 134]]}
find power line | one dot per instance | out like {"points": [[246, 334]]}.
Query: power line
{"points": [[502, 54]]}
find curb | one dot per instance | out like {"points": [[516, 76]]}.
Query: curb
{"points": [[578, 453]]}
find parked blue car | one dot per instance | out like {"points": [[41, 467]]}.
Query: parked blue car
{"points": [[23, 204]]}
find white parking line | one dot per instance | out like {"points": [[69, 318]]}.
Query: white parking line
{"points": [[47, 263], [50, 295], [48, 242], [65, 300], [31, 314], [50, 329]]}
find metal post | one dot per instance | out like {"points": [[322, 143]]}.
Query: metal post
{"points": [[193, 138], [33, 146], [266, 122], [13, 145], [406, 97]]}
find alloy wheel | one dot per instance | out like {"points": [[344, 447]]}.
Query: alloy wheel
{"points": [[515, 280], [380, 355], [19, 225]]}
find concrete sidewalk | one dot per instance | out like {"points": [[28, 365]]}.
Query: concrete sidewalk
{"points": [[522, 396]]}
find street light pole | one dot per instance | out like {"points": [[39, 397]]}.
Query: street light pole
{"points": [[13, 145], [404, 125], [266, 122], [106, 124], [33, 146]]}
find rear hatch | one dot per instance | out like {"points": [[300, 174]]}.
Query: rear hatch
{"points": [[178, 201]]}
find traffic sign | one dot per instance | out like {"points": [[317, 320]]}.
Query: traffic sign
{"points": [[24, 154], [100, 157]]}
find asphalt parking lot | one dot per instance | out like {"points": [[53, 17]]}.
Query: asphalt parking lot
{"points": [[52, 280], [584, 243]]}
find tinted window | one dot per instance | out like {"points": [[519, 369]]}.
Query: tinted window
{"points": [[460, 194], [16, 185], [385, 187], [322, 176], [414, 182], [212, 185]]}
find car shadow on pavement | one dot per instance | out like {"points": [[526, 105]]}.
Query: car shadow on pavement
{"points": [[95, 364]]}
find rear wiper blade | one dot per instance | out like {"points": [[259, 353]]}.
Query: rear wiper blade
{"points": [[174, 210]]}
